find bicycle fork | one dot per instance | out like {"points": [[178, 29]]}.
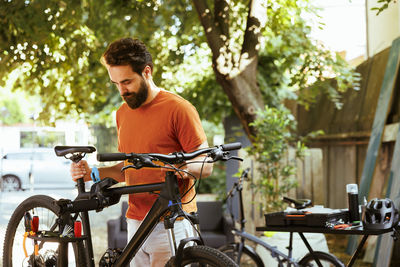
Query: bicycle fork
{"points": [[169, 222]]}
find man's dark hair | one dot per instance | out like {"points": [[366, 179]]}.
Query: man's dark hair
{"points": [[128, 51]]}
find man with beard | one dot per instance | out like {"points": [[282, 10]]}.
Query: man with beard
{"points": [[152, 120]]}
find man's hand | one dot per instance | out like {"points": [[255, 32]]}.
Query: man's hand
{"points": [[197, 168], [183, 174], [80, 170]]}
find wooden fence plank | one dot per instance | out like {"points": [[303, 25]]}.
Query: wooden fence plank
{"points": [[385, 242], [381, 113], [318, 182], [308, 186], [342, 171]]}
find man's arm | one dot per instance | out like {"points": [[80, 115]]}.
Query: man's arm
{"points": [[196, 168], [82, 169]]}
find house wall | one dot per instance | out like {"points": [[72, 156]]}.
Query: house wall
{"points": [[9, 138], [382, 29], [75, 134]]}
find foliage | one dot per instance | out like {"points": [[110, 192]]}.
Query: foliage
{"points": [[384, 5], [271, 147], [56, 46], [31, 139], [10, 111], [216, 182], [194, 80], [46, 51], [290, 66], [294, 66]]}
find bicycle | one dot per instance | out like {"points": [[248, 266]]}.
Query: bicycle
{"points": [[245, 255], [47, 231]]}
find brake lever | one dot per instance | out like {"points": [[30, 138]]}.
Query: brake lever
{"points": [[130, 166], [235, 158], [224, 158], [245, 174], [138, 164]]}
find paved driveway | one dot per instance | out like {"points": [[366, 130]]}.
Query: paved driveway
{"points": [[10, 200]]}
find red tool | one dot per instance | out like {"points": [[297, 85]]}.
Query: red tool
{"points": [[78, 229], [341, 226], [35, 224]]}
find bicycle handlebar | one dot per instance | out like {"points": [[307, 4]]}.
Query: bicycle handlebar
{"points": [[216, 153]]}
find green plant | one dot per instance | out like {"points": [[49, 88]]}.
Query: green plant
{"points": [[384, 5], [215, 183], [270, 149], [10, 111]]}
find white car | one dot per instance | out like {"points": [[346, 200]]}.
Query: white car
{"points": [[34, 168]]}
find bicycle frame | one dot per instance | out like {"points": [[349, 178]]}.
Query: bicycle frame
{"points": [[64, 226], [168, 200], [280, 256]]}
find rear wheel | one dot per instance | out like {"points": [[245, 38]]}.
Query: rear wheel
{"points": [[13, 249], [247, 258], [203, 256], [326, 259], [11, 183]]}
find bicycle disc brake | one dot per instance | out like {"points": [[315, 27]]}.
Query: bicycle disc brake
{"points": [[48, 259], [110, 257]]}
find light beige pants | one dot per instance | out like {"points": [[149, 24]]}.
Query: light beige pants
{"points": [[156, 250]]}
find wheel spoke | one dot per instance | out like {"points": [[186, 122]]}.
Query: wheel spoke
{"points": [[45, 208]]}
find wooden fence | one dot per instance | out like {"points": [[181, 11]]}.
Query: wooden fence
{"points": [[322, 177]]}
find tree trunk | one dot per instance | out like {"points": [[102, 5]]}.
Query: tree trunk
{"points": [[238, 78], [244, 95]]}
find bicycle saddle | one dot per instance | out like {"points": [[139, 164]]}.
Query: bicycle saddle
{"points": [[298, 203], [64, 150]]}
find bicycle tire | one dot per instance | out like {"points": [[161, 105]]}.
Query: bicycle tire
{"points": [[248, 257], [325, 258], [202, 256], [48, 211]]}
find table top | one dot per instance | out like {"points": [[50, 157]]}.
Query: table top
{"points": [[307, 229]]}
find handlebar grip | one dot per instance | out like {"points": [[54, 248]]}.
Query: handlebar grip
{"points": [[231, 146], [111, 156]]}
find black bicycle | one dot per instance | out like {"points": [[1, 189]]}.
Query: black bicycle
{"points": [[46, 232], [245, 255]]}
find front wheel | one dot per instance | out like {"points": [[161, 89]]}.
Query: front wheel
{"points": [[202, 256], [326, 259], [248, 257], [15, 244]]}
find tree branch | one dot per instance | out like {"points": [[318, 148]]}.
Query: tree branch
{"points": [[221, 13], [255, 22], [212, 33]]}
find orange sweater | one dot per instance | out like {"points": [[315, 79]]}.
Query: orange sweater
{"points": [[167, 124]]}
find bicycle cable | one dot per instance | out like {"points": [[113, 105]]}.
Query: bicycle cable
{"points": [[198, 181], [179, 171]]}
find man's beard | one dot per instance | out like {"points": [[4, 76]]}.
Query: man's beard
{"points": [[135, 100]]}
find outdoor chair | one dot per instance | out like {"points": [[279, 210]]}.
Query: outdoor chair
{"points": [[215, 226]]}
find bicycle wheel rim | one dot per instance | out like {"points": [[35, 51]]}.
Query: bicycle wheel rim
{"points": [[203, 256], [13, 254], [326, 259], [246, 259]]}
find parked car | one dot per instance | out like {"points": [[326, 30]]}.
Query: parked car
{"points": [[37, 168]]}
